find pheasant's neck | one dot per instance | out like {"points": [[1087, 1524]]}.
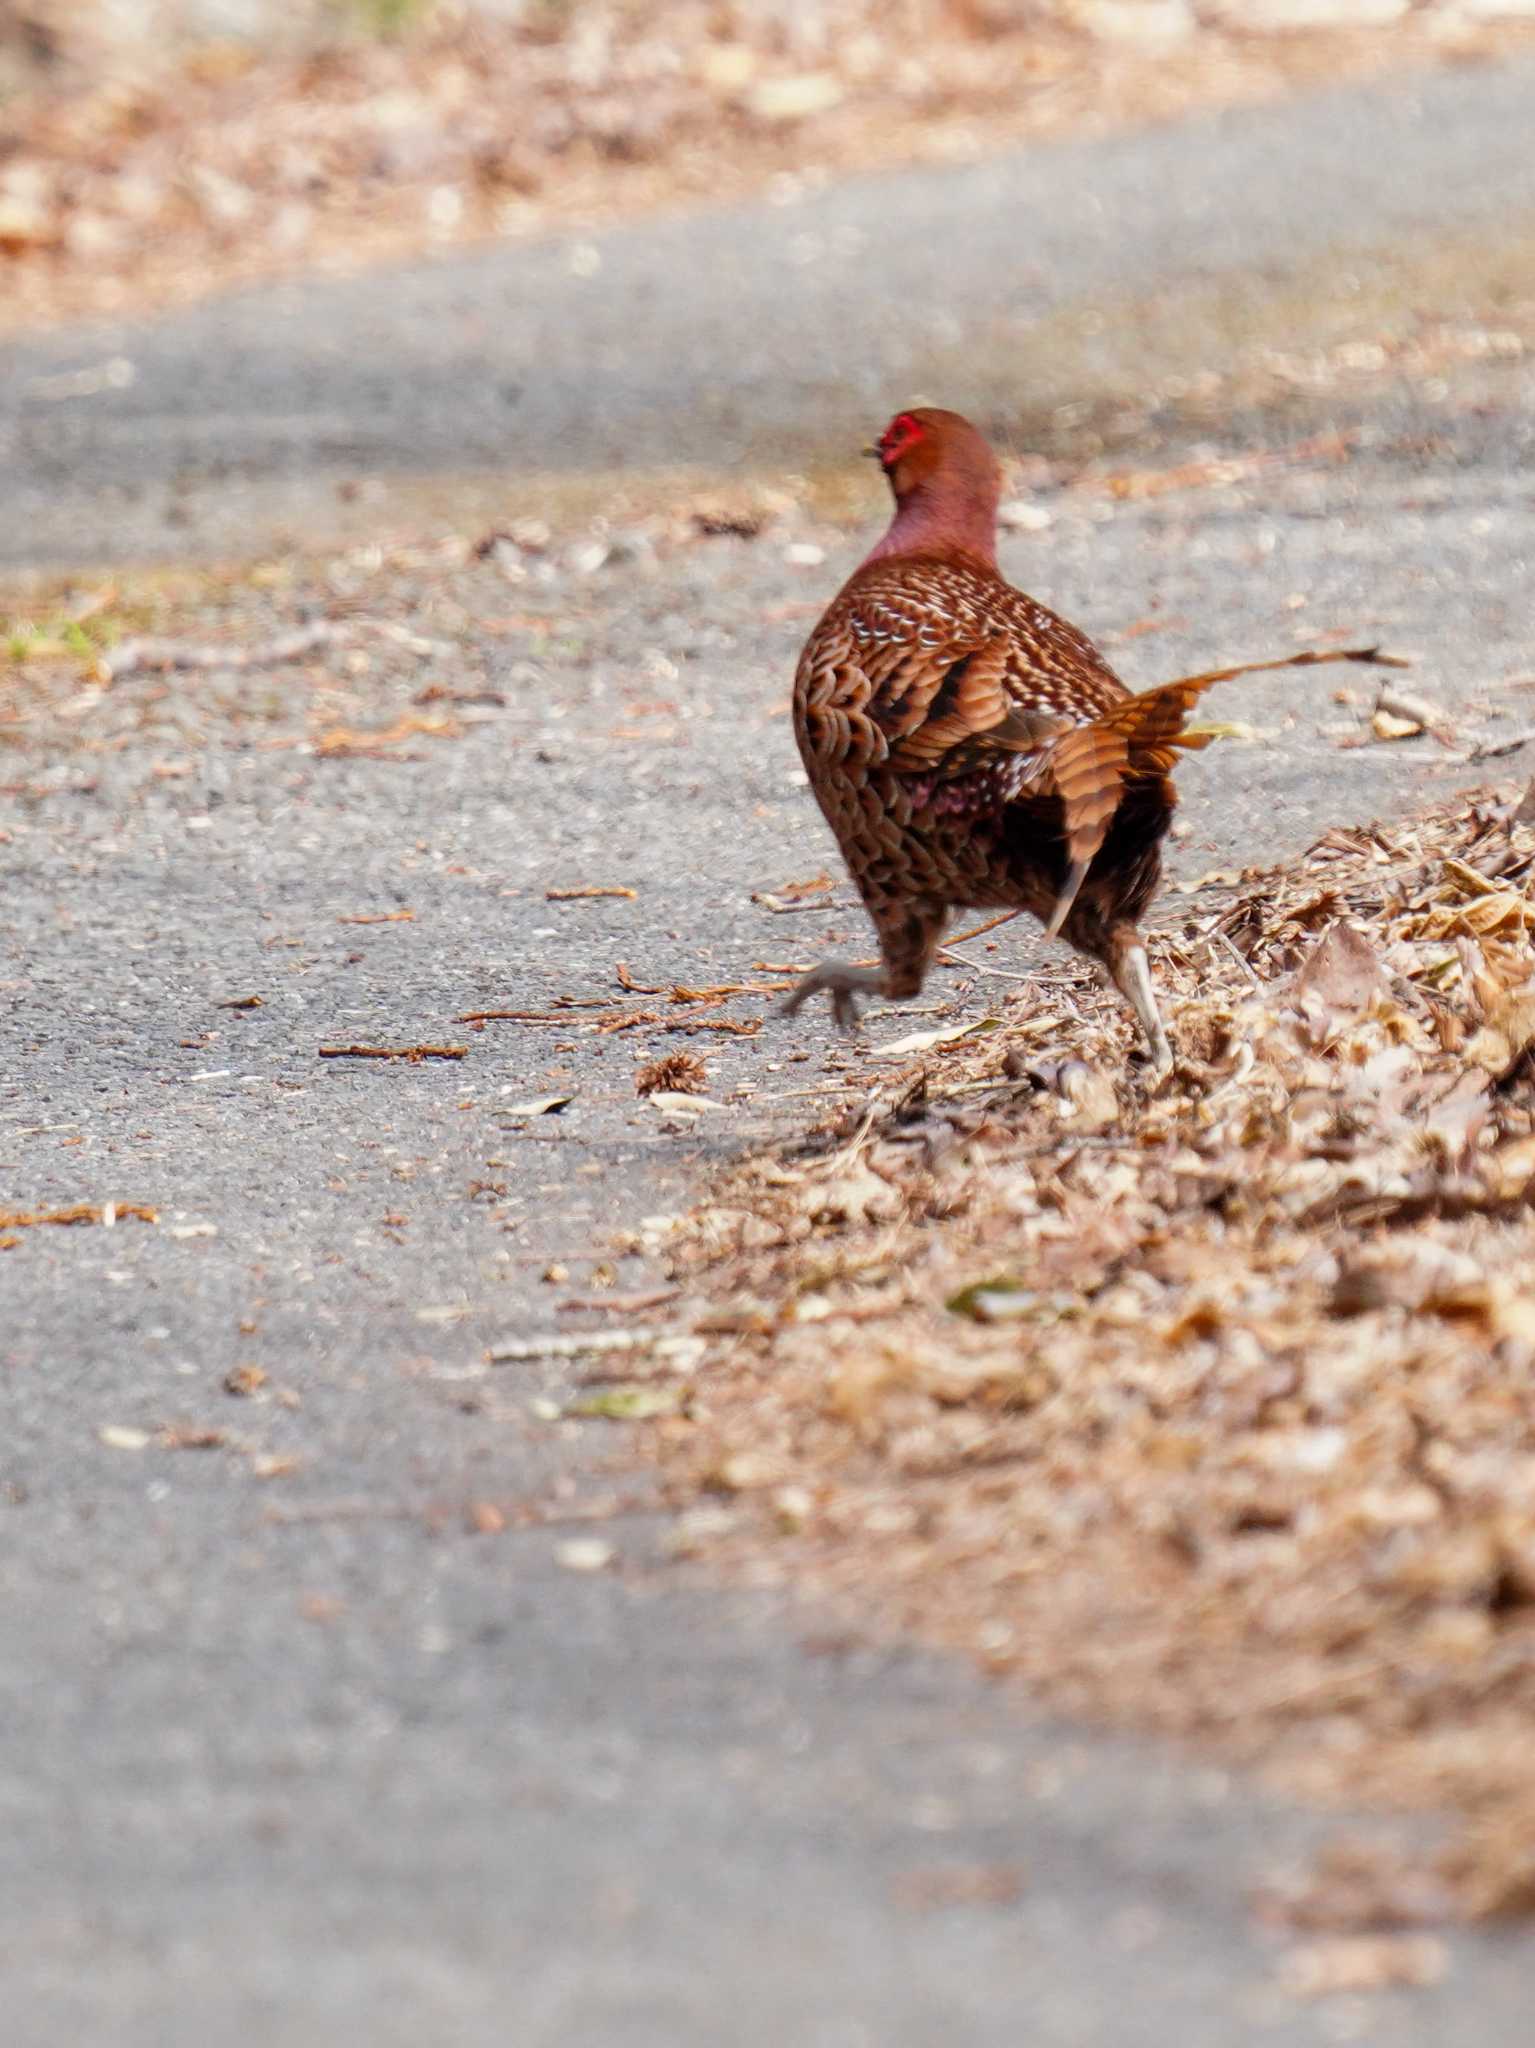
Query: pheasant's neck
{"points": [[931, 519]]}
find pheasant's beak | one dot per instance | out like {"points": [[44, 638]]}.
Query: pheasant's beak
{"points": [[873, 450]]}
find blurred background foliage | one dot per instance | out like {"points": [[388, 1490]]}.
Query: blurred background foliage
{"points": [[153, 149]]}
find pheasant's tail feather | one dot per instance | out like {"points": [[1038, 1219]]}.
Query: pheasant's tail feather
{"points": [[1310, 657], [1089, 766], [1075, 875]]}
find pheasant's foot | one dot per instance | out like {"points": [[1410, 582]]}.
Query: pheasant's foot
{"points": [[842, 982]]}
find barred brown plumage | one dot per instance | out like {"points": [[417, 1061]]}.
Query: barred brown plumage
{"points": [[972, 750]]}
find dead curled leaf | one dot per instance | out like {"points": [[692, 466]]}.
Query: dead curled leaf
{"points": [[542, 1105], [928, 1041], [1508, 1034], [1341, 975]]}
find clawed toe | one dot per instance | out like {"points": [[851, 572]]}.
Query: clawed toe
{"points": [[1159, 1068], [843, 984]]}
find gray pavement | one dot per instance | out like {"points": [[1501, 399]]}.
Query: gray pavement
{"points": [[752, 337], [366, 1779]]}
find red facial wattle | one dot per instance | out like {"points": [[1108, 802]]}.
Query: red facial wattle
{"points": [[899, 438]]}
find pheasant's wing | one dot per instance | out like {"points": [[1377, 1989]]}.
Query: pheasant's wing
{"points": [[993, 707], [959, 708], [962, 671], [999, 711]]}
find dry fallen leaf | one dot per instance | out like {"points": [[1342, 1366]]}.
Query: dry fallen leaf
{"points": [[540, 1105], [1342, 974], [927, 1041], [631, 1402], [1507, 1035], [118, 1437]]}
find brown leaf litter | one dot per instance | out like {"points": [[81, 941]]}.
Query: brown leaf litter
{"points": [[1211, 1412], [150, 184]]}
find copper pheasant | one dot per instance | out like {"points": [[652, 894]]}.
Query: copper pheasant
{"points": [[972, 750]]}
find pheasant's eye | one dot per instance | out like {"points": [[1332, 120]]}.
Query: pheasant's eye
{"points": [[902, 434]]}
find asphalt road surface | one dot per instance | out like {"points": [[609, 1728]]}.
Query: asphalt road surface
{"points": [[372, 1777]]}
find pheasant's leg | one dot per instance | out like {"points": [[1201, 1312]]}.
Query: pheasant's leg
{"points": [[1125, 958], [908, 937], [1120, 951]]}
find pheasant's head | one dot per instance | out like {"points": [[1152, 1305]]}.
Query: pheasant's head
{"points": [[928, 443], [944, 477]]}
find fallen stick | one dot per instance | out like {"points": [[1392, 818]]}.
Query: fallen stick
{"points": [[523, 1350], [412, 1054], [161, 657], [1490, 750]]}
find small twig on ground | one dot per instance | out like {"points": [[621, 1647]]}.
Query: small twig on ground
{"points": [[525, 1350], [977, 931], [954, 959], [106, 1213], [841, 1161], [532, 1514], [618, 1304], [1490, 750], [413, 1054], [1240, 958], [343, 1511]]}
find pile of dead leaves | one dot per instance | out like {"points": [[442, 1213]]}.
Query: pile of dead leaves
{"points": [[1213, 1411], [134, 186]]}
